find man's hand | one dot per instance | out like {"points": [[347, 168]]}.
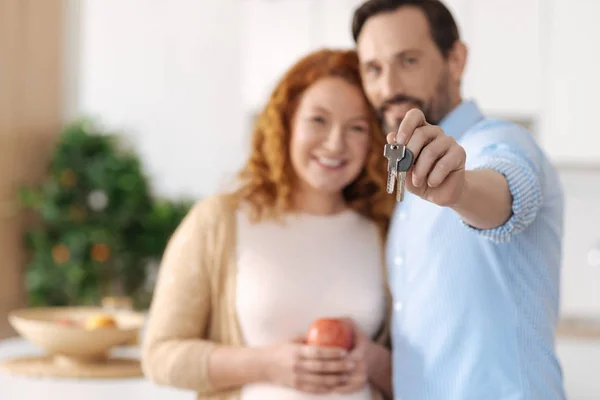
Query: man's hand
{"points": [[438, 174], [482, 198]]}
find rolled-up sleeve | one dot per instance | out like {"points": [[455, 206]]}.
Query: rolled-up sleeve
{"points": [[512, 153]]}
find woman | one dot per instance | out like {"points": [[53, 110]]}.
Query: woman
{"points": [[246, 273]]}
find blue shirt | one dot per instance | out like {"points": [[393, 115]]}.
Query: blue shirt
{"points": [[475, 310]]}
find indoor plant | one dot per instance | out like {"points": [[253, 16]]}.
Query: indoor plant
{"points": [[98, 229]]}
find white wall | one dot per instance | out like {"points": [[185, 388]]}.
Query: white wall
{"points": [[580, 276], [183, 77], [167, 72], [504, 60], [278, 33]]}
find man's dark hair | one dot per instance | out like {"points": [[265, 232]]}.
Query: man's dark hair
{"points": [[441, 23]]}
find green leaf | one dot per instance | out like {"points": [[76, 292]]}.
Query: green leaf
{"points": [[29, 197]]}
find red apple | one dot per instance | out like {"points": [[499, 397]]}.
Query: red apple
{"points": [[330, 332]]}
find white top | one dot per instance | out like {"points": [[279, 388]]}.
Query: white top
{"points": [[308, 267]]}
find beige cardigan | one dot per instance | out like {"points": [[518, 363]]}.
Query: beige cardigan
{"points": [[193, 308]]}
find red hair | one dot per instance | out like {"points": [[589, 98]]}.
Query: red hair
{"points": [[267, 177]]}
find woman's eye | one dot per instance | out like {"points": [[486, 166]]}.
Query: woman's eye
{"points": [[359, 129], [318, 120]]}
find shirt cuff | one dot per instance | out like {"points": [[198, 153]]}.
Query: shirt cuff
{"points": [[526, 191]]}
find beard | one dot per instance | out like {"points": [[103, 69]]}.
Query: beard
{"points": [[434, 110]]}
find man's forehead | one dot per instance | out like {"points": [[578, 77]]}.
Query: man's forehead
{"points": [[387, 34]]}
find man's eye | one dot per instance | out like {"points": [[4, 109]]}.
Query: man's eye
{"points": [[410, 61], [372, 70]]}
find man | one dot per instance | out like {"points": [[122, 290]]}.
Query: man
{"points": [[474, 250]]}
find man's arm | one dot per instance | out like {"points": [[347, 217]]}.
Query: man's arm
{"points": [[486, 201], [508, 170], [501, 193]]}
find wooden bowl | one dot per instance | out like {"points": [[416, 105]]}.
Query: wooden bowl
{"points": [[76, 341]]}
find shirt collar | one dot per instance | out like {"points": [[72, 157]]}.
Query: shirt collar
{"points": [[461, 119]]}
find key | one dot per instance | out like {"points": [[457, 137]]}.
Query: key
{"points": [[394, 153], [403, 166], [400, 160]]}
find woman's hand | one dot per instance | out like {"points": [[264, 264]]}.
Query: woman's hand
{"points": [[307, 368], [372, 364]]}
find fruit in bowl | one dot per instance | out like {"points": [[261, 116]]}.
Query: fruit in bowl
{"points": [[331, 332], [85, 334], [67, 322], [100, 322]]}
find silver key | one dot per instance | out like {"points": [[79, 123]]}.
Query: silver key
{"points": [[401, 186], [403, 166], [394, 153], [400, 160]]}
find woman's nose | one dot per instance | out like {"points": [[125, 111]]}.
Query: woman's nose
{"points": [[335, 141]]}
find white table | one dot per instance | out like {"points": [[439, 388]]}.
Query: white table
{"points": [[13, 387], [580, 360]]}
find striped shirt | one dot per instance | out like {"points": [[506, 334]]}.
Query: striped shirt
{"points": [[475, 310]]}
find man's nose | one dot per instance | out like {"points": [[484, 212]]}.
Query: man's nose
{"points": [[391, 83]]}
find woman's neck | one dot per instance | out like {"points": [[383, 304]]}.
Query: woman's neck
{"points": [[315, 203]]}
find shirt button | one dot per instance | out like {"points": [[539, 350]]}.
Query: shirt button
{"points": [[398, 306], [403, 215], [399, 260]]}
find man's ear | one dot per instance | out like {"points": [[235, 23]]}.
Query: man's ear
{"points": [[457, 60]]}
